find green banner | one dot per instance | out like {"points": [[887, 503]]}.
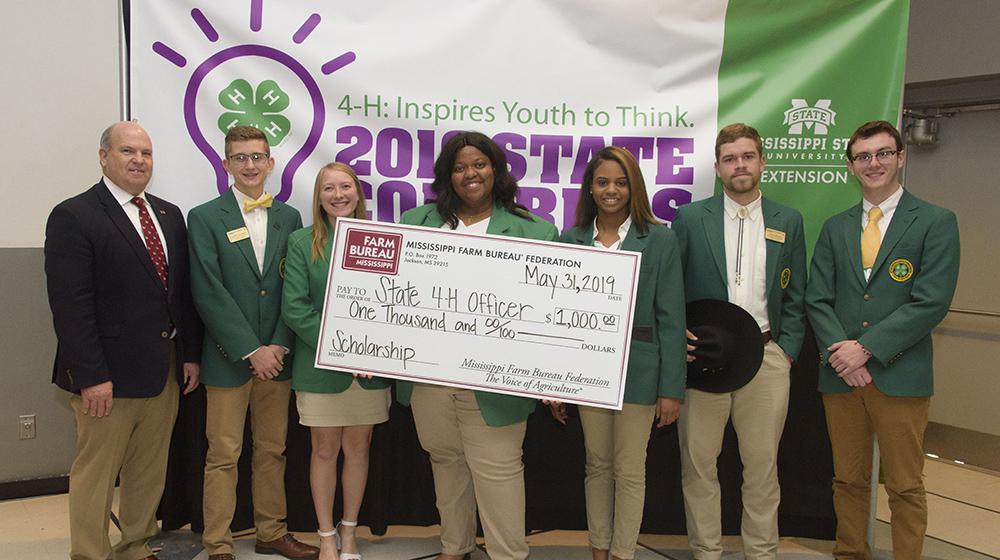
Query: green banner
{"points": [[806, 74]]}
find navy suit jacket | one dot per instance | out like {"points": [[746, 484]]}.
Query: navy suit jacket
{"points": [[112, 316]]}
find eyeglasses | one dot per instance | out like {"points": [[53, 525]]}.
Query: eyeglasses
{"points": [[254, 157], [884, 156]]}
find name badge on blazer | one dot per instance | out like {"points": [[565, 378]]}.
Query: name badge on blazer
{"points": [[238, 234], [774, 235]]}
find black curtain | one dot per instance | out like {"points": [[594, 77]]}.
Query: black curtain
{"points": [[401, 490]]}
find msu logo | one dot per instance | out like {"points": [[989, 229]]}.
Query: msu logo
{"points": [[817, 117]]}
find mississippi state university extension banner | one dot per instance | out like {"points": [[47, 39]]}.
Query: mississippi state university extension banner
{"points": [[379, 85]]}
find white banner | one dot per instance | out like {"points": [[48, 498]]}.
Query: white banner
{"points": [[380, 84], [514, 316]]}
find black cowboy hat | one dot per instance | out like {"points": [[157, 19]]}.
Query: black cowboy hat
{"points": [[728, 351]]}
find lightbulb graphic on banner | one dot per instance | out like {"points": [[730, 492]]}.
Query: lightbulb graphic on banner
{"points": [[261, 102]]}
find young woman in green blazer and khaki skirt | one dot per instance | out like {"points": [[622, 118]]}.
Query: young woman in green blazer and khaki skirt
{"points": [[340, 408]]}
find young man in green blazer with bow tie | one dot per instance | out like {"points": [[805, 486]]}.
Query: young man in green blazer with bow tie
{"points": [[741, 247], [883, 275], [238, 244]]}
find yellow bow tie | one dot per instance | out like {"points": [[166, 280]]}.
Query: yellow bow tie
{"points": [[262, 202]]}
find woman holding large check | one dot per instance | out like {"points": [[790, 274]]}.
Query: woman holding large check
{"points": [[613, 213], [339, 408], [474, 438]]}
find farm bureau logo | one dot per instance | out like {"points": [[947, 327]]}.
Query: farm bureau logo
{"points": [[372, 251]]}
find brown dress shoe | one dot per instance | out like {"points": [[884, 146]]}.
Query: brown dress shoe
{"points": [[223, 556], [288, 547]]}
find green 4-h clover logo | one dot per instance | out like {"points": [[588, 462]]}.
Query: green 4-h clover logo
{"points": [[259, 109], [901, 270]]}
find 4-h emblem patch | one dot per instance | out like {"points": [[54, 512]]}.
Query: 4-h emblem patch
{"points": [[786, 277], [901, 270]]}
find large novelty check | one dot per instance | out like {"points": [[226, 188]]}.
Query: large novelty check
{"points": [[515, 316]]}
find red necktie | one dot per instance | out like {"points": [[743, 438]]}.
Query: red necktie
{"points": [[152, 240]]}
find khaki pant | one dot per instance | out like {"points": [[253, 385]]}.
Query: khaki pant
{"points": [[472, 463], [132, 444], [224, 424], [758, 411], [615, 485], [899, 424]]}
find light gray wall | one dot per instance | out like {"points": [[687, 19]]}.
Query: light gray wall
{"points": [[956, 174], [952, 39], [27, 344], [60, 90]]}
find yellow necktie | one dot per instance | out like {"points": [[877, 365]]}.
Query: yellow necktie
{"points": [[871, 238], [262, 202]]}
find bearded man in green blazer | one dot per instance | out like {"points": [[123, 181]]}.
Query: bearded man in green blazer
{"points": [[883, 275], [741, 247], [238, 244]]}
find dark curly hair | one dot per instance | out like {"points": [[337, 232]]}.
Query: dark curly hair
{"points": [[504, 185]]}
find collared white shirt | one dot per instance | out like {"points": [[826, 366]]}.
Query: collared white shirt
{"points": [[124, 198], [622, 232], [256, 222], [888, 208], [746, 261]]}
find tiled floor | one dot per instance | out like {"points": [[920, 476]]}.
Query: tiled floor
{"points": [[964, 524]]}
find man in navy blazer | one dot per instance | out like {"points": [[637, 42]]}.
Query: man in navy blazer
{"points": [[117, 273]]}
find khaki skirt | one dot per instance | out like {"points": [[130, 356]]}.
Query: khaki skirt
{"points": [[354, 407]]}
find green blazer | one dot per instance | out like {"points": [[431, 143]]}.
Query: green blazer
{"points": [[302, 308], [701, 232], [240, 306], [893, 313], [657, 368], [497, 410]]}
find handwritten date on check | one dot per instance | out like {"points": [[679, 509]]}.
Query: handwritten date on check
{"points": [[516, 316]]}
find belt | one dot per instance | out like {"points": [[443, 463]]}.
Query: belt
{"points": [[643, 333], [765, 337]]}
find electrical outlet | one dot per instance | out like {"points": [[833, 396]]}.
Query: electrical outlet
{"points": [[26, 426]]}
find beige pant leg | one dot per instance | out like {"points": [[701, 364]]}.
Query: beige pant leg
{"points": [[759, 411], [144, 472], [101, 444], [850, 432], [701, 426], [599, 483], [900, 423], [494, 457], [100, 449], [436, 419], [269, 423], [615, 442], [225, 418], [632, 429]]}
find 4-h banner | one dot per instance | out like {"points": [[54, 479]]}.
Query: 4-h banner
{"points": [[380, 85]]}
